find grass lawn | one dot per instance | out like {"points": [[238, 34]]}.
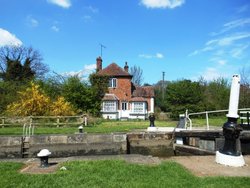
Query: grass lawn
{"points": [[111, 126], [114, 173], [103, 127]]}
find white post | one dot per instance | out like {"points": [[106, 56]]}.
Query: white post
{"points": [[85, 121], [207, 120], [234, 97], [152, 105]]}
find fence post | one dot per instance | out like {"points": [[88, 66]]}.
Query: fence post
{"points": [[57, 121], [85, 121], [3, 122], [207, 120]]}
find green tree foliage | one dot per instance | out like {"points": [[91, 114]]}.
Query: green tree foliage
{"points": [[99, 86], [8, 93], [216, 94], [182, 95], [77, 93], [194, 96], [245, 87]]}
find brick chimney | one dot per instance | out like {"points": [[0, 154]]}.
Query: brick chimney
{"points": [[98, 64], [126, 66]]}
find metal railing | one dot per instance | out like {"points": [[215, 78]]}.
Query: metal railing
{"points": [[206, 113], [28, 130]]}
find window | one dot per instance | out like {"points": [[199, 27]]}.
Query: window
{"points": [[138, 107], [109, 106], [124, 105], [112, 82]]}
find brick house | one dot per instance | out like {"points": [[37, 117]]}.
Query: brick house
{"points": [[124, 100]]}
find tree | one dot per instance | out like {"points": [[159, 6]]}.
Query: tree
{"points": [[18, 63], [137, 73], [8, 93], [182, 95], [77, 93], [245, 87], [216, 94], [99, 86]]}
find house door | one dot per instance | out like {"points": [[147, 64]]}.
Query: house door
{"points": [[125, 111]]}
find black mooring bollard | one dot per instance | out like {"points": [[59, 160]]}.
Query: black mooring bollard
{"points": [[231, 132], [152, 120]]}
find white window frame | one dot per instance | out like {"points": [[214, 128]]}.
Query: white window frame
{"points": [[124, 104], [109, 106], [113, 82], [138, 107]]}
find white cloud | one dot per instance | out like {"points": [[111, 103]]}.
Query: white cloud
{"points": [[222, 62], [211, 74], [159, 55], [235, 24], [61, 3], [222, 42], [87, 18], [149, 56], [8, 39], [237, 52], [93, 9], [84, 73], [55, 28], [145, 56], [243, 8], [162, 3], [32, 22]]}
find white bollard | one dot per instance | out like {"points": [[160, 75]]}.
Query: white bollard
{"points": [[234, 97]]}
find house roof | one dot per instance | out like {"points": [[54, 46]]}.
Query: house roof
{"points": [[138, 99], [110, 97], [114, 70], [145, 91]]}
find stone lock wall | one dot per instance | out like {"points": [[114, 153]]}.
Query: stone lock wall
{"points": [[65, 145]]}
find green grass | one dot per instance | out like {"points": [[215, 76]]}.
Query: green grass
{"points": [[115, 173], [213, 121], [111, 126]]}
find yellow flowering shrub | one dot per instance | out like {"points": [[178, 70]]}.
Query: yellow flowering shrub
{"points": [[34, 102], [31, 102], [61, 107]]}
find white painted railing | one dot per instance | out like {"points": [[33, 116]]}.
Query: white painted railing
{"points": [[206, 113]]}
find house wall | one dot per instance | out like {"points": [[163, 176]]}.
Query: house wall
{"points": [[122, 90]]}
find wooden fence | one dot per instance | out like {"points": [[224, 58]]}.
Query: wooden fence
{"points": [[44, 120]]}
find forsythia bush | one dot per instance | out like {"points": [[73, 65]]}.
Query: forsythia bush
{"points": [[61, 107], [34, 102]]}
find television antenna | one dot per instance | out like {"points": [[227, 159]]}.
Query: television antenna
{"points": [[102, 46]]}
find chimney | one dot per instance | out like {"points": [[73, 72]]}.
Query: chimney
{"points": [[98, 64], [126, 66]]}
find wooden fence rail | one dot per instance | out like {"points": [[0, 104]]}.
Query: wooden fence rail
{"points": [[44, 120]]}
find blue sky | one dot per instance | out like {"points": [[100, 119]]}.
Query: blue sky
{"points": [[184, 38]]}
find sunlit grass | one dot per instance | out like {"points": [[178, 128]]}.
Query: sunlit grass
{"points": [[112, 126], [114, 173], [103, 127]]}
